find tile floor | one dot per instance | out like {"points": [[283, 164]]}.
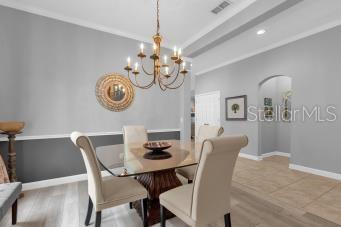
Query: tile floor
{"points": [[264, 194], [272, 177]]}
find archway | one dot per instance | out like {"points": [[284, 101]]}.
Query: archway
{"points": [[274, 101]]}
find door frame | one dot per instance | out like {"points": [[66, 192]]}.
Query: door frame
{"points": [[204, 94]]}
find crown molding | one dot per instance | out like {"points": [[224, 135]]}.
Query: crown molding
{"points": [[76, 21], [218, 22], [292, 39], [110, 30]]}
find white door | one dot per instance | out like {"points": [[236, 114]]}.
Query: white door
{"points": [[207, 109]]}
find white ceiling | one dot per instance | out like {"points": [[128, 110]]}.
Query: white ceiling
{"points": [[304, 19], [182, 21]]}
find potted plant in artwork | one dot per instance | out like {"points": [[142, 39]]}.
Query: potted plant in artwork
{"points": [[235, 108], [286, 105]]}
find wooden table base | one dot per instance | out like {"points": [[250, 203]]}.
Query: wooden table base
{"points": [[156, 183]]}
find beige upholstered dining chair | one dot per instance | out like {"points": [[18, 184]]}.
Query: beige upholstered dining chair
{"points": [[208, 131], [109, 191], [208, 198], [205, 132], [134, 134]]}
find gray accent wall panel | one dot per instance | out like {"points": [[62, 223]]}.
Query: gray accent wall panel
{"points": [[314, 65], [48, 73], [51, 158]]}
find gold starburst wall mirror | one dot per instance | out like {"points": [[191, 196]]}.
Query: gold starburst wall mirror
{"points": [[114, 92]]}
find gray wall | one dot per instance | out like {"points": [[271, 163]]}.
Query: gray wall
{"points": [[50, 158], [48, 73], [314, 65], [185, 109]]}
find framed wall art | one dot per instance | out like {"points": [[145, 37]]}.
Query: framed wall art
{"points": [[236, 108]]}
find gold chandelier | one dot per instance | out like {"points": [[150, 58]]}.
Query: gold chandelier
{"points": [[164, 74]]}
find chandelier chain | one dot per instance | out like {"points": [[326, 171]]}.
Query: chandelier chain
{"points": [[158, 18]]}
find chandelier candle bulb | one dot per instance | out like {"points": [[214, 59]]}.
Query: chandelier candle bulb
{"points": [[142, 47], [183, 65], [136, 66], [179, 52], [154, 48], [128, 61], [165, 59]]}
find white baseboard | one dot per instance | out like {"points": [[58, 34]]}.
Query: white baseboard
{"points": [[276, 153], [336, 176], [57, 181], [249, 156], [83, 177]]}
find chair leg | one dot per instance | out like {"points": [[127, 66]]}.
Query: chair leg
{"points": [[14, 212], [144, 205], [88, 214], [190, 181], [98, 219], [227, 218], [162, 216], [130, 203]]}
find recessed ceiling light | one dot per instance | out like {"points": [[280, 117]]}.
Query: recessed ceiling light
{"points": [[261, 32]]}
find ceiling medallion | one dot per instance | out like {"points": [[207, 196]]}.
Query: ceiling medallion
{"points": [[167, 76]]}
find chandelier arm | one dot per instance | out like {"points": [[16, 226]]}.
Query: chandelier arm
{"points": [[137, 85], [131, 81], [170, 74], [175, 79], [143, 87], [162, 86], [144, 70], [183, 80]]}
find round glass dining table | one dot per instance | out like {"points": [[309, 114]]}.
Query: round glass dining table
{"points": [[157, 176]]}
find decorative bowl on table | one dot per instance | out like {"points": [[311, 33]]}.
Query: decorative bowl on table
{"points": [[157, 145], [157, 150], [11, 126]]}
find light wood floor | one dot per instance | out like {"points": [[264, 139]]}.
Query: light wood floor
{"points": [[265, 194]]}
